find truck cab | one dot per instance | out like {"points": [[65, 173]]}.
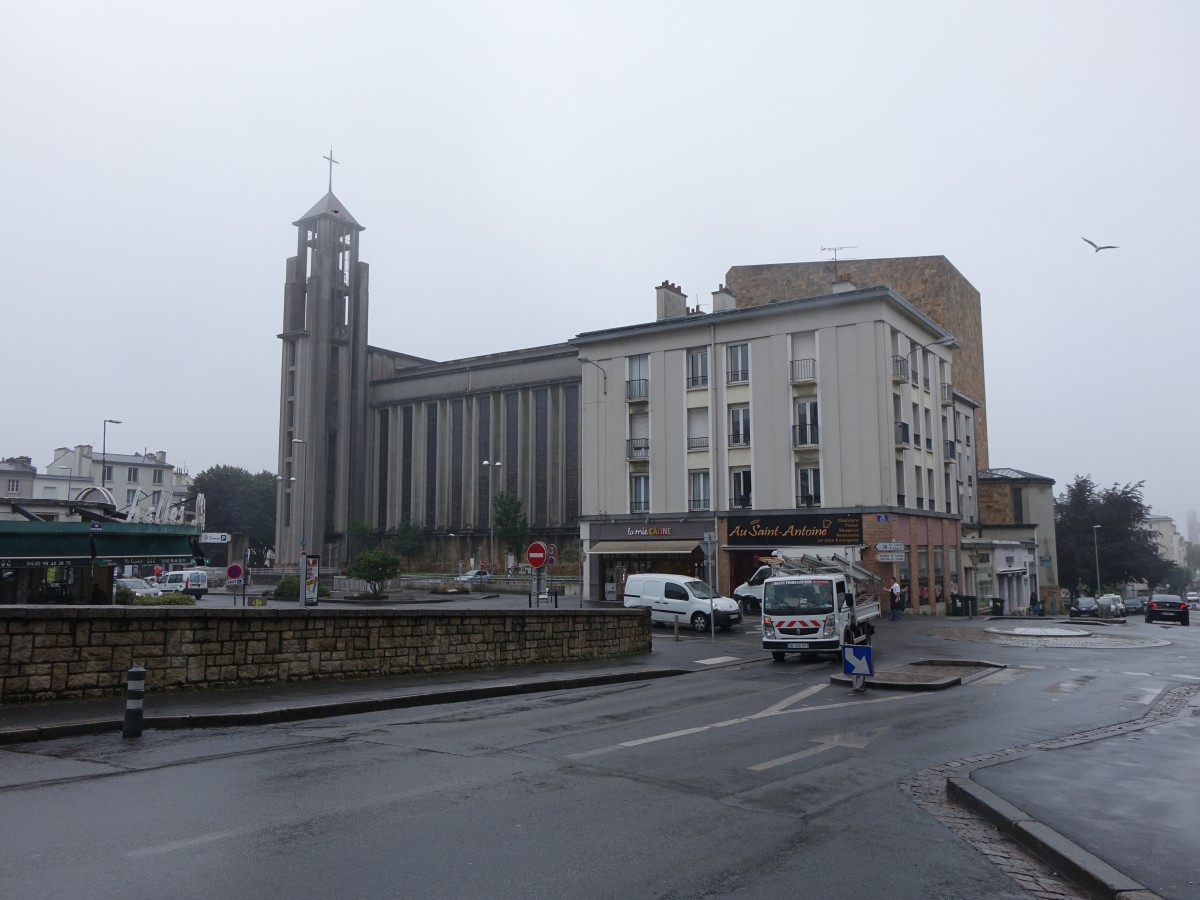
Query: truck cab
{"points": [[809, 614]]}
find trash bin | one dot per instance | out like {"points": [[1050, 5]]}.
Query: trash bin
{"points": [[970, 605], [956, 605], [997, 606]]}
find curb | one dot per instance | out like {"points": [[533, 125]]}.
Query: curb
{"points": [[1086, 870], [985, 668], [298, 713]]}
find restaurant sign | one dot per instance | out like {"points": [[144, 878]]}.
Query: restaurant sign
{"points": [[795, 531]]}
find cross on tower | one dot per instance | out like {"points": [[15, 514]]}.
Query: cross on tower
{"points": [[331, 164]]}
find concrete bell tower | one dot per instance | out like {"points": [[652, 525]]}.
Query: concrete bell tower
{"points": [[323, 387]]}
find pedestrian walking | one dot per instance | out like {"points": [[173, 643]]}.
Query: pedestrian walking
{"points": [[897, 602]]}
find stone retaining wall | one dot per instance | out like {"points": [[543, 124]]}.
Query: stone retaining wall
{"points": [[56, 653]]}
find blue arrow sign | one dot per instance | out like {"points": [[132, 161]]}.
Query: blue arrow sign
{"points": [[857, 660]]}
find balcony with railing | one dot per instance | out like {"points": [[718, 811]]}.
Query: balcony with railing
{"points": [[947, 394], [737, 376], [637, 448], [699, 504], [739, 439], [804, 501], [639, 506], [804, 435], [917, 439], [804, 371], [694, 382], [928, 443], [739, 501], [637, 389], [951, 451], [899, 369], [697, 443], [901, 434]]}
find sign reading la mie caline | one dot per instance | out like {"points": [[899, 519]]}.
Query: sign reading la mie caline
{"points": [[795, 531]]}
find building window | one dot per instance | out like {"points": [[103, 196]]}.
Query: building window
{"points": [[131, 496], [131, 475], [808, 487], [739, 426], [697, 428], [1018, 506], [698, 493], [638, 385], [14, 485], [108, 473], [158, 476], [155, 498], [739, 488], [806, 423], [739, 363], [697, 362], [639, 493]]}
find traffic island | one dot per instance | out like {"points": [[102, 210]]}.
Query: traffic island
{"points": [[924, 675]]}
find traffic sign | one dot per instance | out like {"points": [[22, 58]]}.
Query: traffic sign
{"points": [[536, 554], [856, 660], [891, 557], [234, 572], [889, 546]]}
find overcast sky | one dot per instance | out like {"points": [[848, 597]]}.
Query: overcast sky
{"points": [[526, 171]]}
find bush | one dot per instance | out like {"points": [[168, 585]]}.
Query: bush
{"points": [[376, 568], [173, 599], [289, 589]]}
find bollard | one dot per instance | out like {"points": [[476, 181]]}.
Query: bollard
{"points": [[676, 626], [135, 692]]}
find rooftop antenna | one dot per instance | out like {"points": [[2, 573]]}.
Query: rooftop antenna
{"points": [[332, 163], [833, 250]]}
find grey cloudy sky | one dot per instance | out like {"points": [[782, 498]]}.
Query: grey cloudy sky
{"points": [[526, 171]]}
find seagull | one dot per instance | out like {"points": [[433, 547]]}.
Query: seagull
{"points": [[1098, 248]]}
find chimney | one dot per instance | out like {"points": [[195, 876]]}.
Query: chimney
{"points": [[842, 283], [670, 300], [723, 299]]}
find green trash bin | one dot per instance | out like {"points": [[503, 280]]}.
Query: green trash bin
{"points": [[956, 605], [997, 606], [970, 605]]}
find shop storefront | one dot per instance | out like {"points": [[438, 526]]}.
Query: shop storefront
{"points": [[617, 550], [747, 540]]}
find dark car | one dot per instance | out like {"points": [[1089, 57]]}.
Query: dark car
{"points": [[1085, 607], [1135, 605], [1167, 606]]}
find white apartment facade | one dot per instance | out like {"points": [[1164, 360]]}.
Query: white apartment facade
{"points": [[712, 438]]}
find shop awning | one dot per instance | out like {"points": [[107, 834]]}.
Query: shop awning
{"points": [[40, 550], [643, 548], [141, 549]]}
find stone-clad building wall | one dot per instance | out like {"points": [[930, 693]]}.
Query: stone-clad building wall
{"points": [[930, 283], [53, 653]]}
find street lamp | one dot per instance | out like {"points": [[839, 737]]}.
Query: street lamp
{"points": [[1096, 550], [104, 451], [945, 341], [491, 467], [303, 538], [70, 479], [598, 366]]}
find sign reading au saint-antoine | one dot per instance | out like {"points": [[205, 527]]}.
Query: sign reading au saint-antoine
{"points": [[798, 531]]}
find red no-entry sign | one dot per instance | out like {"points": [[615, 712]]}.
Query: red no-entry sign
{"points": [[536, 554]]}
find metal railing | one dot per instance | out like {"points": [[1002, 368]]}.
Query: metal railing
{"points": [[804, 370], [637, 389], [804, 435], [697, 443], [637, 448]]}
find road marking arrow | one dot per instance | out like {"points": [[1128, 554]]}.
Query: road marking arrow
{"points": [[856, 741]]}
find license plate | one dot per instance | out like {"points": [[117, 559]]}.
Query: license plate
{"points": [[797, 645]]}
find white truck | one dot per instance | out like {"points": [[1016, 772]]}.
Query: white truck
{"points": [[809, 606]]}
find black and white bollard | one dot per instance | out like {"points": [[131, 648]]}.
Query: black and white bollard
{"points": [[135, 693]]}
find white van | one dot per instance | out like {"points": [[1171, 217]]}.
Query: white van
{"points": [[185, 581], [668, 596]]}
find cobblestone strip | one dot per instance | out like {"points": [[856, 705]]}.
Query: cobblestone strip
{"points": [[927, 789]]}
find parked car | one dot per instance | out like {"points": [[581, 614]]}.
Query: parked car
{"points": [[1193, 600], [679, 597], [184, 581], [1085, 607], [1168, 606], [140, 587], [1135, 605], [1111, 605], [474, 575]]}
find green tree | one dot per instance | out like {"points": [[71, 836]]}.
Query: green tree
{"points": [[406, 539], [1125, 545], [512, 525], [376, 568], [239, 502], [360, 536]]}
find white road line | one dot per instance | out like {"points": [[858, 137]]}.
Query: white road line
{"points": [[1039, 668], [1188, 677], [717, 659], [1001, 676], [783, 760], [1142, 674]]}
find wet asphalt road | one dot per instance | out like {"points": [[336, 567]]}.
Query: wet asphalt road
{"points": [[751, 780]]}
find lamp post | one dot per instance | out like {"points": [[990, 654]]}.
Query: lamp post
{"points": [[70, 479], [104, 451], [300, 525], [491, 467], [1096, 550], [598, 366]]}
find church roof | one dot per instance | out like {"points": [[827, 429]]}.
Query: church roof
{"points": [[330, 205]]}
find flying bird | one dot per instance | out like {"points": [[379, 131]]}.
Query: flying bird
{"points": [[1098, 248]]}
